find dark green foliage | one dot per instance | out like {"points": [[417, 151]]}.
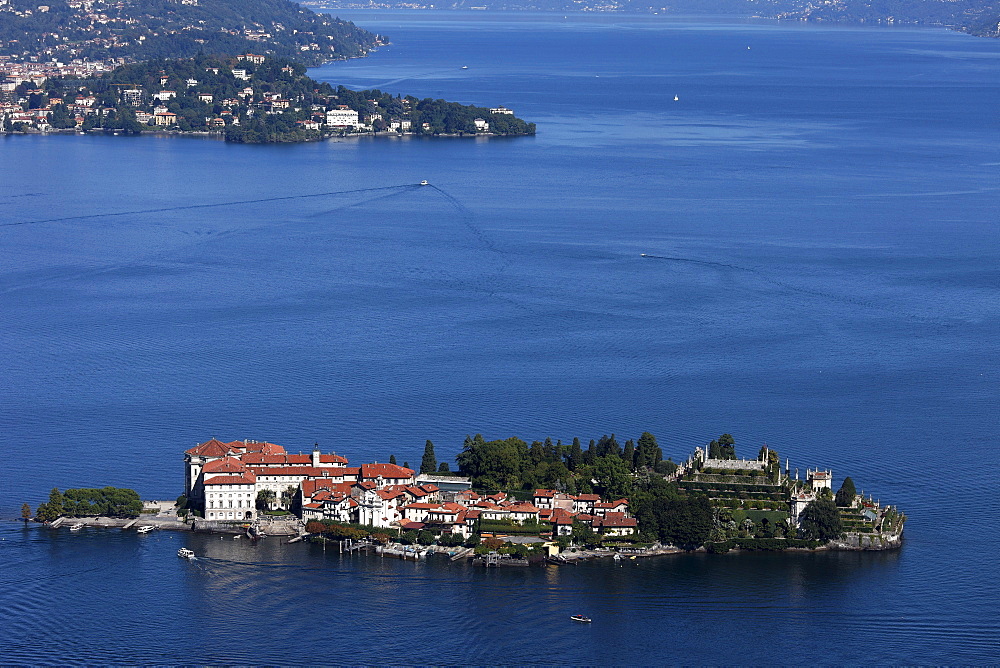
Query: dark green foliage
{"points": [[428, 464], [25, 512], [629, 455], [665, 467], [55, 507], [392, 459], [846, 493], [450, 540], [761, 544], [444, 468], [613, 477], [727, 446], [181, 502], [646, 451], [426, 537], [107, 501], [493, 465], [821, 520]]}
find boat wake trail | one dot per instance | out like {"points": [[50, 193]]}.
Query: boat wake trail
{"points": [[189, 207], [490, 284], [765, 278]]}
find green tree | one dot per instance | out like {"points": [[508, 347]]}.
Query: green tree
{"points": [[821, 520], [392, 459], [25, 512], [614, 479], [55, 507], [714, 451], [846, 493], [575, 458], [265, 498], [629, 455], [646, 448], [727, 445], [428, 464], [444, 468]]}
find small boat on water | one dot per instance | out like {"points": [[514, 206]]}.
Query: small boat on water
{"points": [[146, 528], [676, 98], [424, 183], [185, 553], [76, 527], [465, 67], [581, 618]]}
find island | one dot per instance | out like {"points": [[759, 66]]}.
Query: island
{"points": [[249, 98], [508, 502]]}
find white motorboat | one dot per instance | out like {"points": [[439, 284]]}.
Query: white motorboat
{"points": [[146, 528], [76, 527], [185, 553]]}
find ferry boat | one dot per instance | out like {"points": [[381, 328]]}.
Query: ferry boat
{"points": [[146, 528], [581, 618], [185, 553]]}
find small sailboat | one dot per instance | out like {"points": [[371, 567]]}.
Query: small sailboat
{"points": [[581, 618], [676, 98]]}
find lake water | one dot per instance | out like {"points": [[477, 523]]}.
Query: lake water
{"points": [[819, 213]]}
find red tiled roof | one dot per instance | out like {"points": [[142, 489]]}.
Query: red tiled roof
{"points": [[522, 508], [545, 493], [257, 446], [370, 471], [421, 506], [304, 471], [210, 448], [615, 521], [587, 497], [225, 465], [430, 489], [245, 479]]}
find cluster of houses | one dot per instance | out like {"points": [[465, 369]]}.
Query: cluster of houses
{"points": [[225, 480]]}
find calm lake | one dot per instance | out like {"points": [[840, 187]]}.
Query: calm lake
{"points": [[818, 210]]}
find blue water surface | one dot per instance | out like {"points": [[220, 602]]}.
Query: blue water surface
{"points": [[818, 214]]}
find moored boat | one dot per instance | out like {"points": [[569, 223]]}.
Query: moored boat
{"points": [[581, 618], [76, 527], [146, 528]]}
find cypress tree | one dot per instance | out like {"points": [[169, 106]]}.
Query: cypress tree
{"points": [[846, 493], [629, 455], [429, 462]]}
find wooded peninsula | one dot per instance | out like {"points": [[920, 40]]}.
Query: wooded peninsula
{"points": [[249, 99]]}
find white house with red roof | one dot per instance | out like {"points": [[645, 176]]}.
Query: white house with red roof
{"points": [[386, 475]]}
